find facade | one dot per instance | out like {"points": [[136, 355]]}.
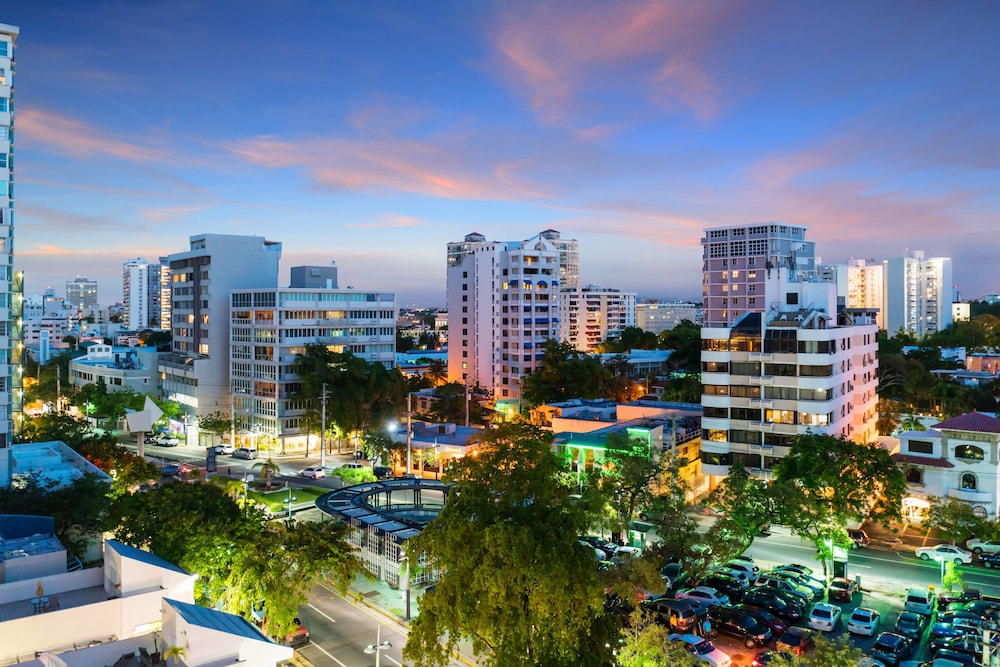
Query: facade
{"points": [[957, 458], [202, 278], [569, 258], [961, 312], [142, 294], [589, 315], [166, 300], [659, 316], [866, 287], [81, 293], [119, 368], [503, 304], [11, 282], [270, 327], [918, 294], [737, 262]]}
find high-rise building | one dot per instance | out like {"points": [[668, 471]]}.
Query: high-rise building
{"points": [[737, 261], [659, 316], [81, 293], [860, 284], [141, 290], [197, 373], [802, 364], [589, 315], [503, 303], [11, 283], [270, 327], [569, 258], [165, 298], [918, 294]]}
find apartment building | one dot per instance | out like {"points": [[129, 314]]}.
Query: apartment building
{"points": [[270, 327], [142, 294], [918, 294], [591, 314], [503, 303], [81, 293], [659, 316]]}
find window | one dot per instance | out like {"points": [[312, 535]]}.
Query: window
{"points": [[3, 104], [969, 453], [4, 49], [969, 481], [914, 476], [716, 435], [792, 299], [921, 447], [719, 413], [780, 416]]}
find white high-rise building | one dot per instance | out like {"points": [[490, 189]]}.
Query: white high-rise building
{"points": [[503, 303], [11, 283], [860, 284], [918, 294], [569, 258], [142, 294], [197, 374], [659, 316], [589, 315], [81, 293], [800, 365]]}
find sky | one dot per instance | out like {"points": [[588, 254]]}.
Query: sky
{"points": [[372, 134]]}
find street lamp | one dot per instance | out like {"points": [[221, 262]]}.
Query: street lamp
{"points": [[288, 501], [378, 647]]}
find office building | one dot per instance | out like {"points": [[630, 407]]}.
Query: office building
{"points": [[503, 304], [918, 294], [659, 316], [141, 290], [589, 315], [737, 261], [11, 283], [196, 374], [800, 365], [270, 327], [81, 293]]}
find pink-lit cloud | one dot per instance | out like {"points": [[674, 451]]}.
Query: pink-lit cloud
{"points": [[39, 128], [389, 221]]}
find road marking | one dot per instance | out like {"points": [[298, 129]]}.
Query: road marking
{"points": [[332, 620], [389, 657], [327, 653]]}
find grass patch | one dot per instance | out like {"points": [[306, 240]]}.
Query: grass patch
{"points": [[275, 500]]}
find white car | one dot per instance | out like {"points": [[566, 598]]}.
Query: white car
{"points": [[705, 594], [980, 547], [704, 650], [245, 453], [746, 566], [946, 553], [352, 465], [225, 448], [166, 440], [863, 621], [316, 472], [824, 617]]}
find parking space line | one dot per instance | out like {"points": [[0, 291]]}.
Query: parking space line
{"points": [[324, 615], [328, 654]]}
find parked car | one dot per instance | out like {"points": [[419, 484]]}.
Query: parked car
{"points": [[704, 650], [382, 472], [731, 586], [705, 594], [816, 586], [225, 448], [165, 440], [765, 658], [744, 565], [970, 645], [772, 621], [774, 602], [796, 640], [598, 553], [859, 538], [824, 617], [920, 600], [911, 625], [954, 629], [781, 584], [299, 636], [945, 598], [674, 614], [738, 623], [796, 568], [980, 547], [352, 465], [990, 560], [863, 621], [740, 575], [949, 658], [946, 553], [609, 548], [675, 574], [842, 589], [891, 648], [315, 472], [245, 453]]}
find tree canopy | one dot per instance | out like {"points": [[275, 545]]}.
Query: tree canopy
{"points": [[564, 373]]}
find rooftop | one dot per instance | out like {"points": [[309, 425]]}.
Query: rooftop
{"points": [[973, 422]]}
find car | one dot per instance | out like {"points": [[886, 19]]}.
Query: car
{"points": [[225, 448], [946, 553], [730, 586], [765, 658], [738, 623], [970, 645], [382, 472], [817, 587], [315, 472], [166, 440], [863, 621], [891, 648], [746, 566], [245, 453], [609, 548], [911, 625], [775, 623], [704, 650], [842, 589], [299, 636], [740, 575], [990, 560], [674, 572], [172, 469], [859, 538], [352, 465], [951, 658], [781, 584], [774, 602], [598, 553], [945, 598], [672, 613], [796, 640], [705, 594], [920, 600], [824, 617], [959, 629], [796, 568], [980, 547]]}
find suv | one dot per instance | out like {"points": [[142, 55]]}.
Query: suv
{"points": [[781, 584], [980, 547], [859, 538], [740, 624], [891, 648], [920, 600], [245, 453], [672, 613]]}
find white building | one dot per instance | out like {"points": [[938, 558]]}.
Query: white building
{"points": [[196, 375], [503, 304], [270, 327], [81, 293], [142, 294], [569, 258], [957, 458], [11, 283], [589, 315], [918, 294], [659, 316], [961, 312], [860, 284], [119, 368]]}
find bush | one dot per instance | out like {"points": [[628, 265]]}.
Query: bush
{"points": [[352, 476]]}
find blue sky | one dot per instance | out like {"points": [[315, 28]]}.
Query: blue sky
{"points": [[373, 134]]}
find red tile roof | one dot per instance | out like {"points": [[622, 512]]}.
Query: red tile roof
{"points": [[974, 422], [922, 461]]}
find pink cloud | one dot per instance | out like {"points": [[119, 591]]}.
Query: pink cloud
{"points": [[389, 221], [67, 136]]}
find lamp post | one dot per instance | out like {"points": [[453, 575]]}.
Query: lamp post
{"points": [[378, 647], [409, 433], [288, 501]]}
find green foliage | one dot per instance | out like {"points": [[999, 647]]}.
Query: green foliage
{"points": [[514, 580], [954, 518], [746, 501], [127, 469], [352, 476], [839, 652], [378, 446], [684, 341], [629, 471], [218, 423], [564, 373], [631, 338], [268, 469], [646, 644], [952, 578], [450, 405], [55, 426], [96, 401], [677, 531], [685, 389]]}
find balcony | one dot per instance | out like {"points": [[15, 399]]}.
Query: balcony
{"points": [[971, 496]]}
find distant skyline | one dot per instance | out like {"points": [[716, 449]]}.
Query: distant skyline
{"points": [[372, 134]]}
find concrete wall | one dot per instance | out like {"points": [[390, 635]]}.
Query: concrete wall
{"points": [[53, 584]]}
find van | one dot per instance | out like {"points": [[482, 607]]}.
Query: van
{"points": [[672, 613], [920, 600]]}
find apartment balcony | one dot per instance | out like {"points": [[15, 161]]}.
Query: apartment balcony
{"points": [[970, 496]]}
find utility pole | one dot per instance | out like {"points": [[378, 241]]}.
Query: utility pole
{"points": [[58, 388], [322, 432]]}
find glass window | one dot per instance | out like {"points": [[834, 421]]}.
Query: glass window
{"points": [[921, 447], [914, 476], [4, 49], [969, 481], [969, 452], [3, 104]]}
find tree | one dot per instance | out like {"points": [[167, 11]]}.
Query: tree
{"points": [[514, 579], [437, 372], [912, 423], [378, 446], [684, 341], [126, 469], [217, 423], [268, 469], [677, 531], [825, 481], [646, 644], [55, 426], [888, 416], [450, 404], [746, 501], [564, 373], [839, 652], [954, 518], [630, 468]]}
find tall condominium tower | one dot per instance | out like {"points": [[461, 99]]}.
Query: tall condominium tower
{"points": [[81, 293], [918, 294], [569, 258], [141, 292], [165, 298], [503, 303], [592, 314], [738, 260], [11, 284], [197, 374]]}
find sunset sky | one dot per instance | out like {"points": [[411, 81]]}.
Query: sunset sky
{"points": [[373, 133]]}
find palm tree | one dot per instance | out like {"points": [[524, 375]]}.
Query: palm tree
{"points": [[175, 653], [436, 372], [268, 469], [912, 422]]}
